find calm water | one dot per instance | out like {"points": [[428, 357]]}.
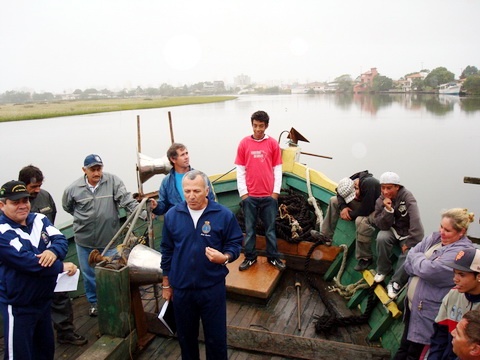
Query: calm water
{"points": [[431, 142]]}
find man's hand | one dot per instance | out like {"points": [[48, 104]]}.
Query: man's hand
{"points": [[215, 256], [345, 214], [70, 268], [405, 248], [46, 258], [388, 204], [153, 203]]}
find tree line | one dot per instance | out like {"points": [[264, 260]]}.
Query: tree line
{"points": [[441, 75]]}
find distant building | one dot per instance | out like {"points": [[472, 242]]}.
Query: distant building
{"points": [[242, 81], [407, 84], [365, 81]]}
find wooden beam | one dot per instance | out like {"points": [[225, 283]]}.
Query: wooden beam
{"points": [[471, 180], [304, 348], [286, 345], [111, 348]]}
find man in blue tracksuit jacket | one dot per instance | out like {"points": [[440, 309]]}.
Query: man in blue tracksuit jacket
{"points": [[200, 237], [31, 254]]}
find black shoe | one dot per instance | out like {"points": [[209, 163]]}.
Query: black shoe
{"points": [[93, 310], [319, 236], [246, 264], [277, 263], [72, 339], [363, 264]]}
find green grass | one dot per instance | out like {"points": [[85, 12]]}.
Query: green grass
{"points": [[31, 111]]}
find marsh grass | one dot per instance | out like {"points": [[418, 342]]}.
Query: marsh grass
{"points": [[31, 111]]}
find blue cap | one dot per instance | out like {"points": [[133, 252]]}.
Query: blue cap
{"points": [[92, 160]]}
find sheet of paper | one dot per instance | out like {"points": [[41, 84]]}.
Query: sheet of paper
{"points": [[67, 283], [167, 317]]}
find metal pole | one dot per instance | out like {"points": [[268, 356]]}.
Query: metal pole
{"points": [[299, 305]]}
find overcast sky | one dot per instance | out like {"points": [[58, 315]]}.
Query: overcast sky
{"points": [[57, 45]]}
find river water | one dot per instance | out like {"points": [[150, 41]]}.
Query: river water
{"points": [[432, 142]]}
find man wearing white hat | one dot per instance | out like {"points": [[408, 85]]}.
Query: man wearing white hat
{"points": [[398, 218]]}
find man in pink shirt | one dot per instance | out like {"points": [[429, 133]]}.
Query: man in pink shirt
{"points": [[259, 179]]}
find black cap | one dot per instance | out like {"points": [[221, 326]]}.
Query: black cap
{"points": [[14, 190]]}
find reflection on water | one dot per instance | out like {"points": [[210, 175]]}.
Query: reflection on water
{"points": [[436, 104]]}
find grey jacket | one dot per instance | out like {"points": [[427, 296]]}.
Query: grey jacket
{"points": [[405, 219], [435, 281], [95, 215]]}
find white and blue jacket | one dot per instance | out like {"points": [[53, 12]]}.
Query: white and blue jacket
{"points": [[23, 281]]}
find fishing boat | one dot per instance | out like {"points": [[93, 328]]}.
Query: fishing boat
{"points": [[451, 88], [318, 308]]}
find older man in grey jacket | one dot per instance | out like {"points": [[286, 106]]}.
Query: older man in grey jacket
{"points": [[94, 201]]}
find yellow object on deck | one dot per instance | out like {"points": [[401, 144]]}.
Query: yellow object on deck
{"points": [[382, 295]]}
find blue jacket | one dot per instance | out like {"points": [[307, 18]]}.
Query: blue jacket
{"points": [[183, 246], [168, 195], [23, 281]]}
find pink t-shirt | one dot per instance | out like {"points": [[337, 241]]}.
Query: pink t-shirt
{"points": [[259, 159]]}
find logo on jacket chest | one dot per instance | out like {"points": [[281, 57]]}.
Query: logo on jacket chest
{"points": [[45, 238], [206, 228], [402, 209]]}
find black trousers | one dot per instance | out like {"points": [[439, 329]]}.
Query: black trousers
{"points": [[62, 313], [408, 350]]}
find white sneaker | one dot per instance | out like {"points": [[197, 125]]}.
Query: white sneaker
{"points": [[392, 290], [379, 278]]}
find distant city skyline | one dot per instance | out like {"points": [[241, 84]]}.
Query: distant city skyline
{"points": [[54, 46]]}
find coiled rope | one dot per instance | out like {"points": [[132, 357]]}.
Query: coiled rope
{"points": [[330, 319], [349, 290]]}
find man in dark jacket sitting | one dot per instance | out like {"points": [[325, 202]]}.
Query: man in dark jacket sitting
{"points": [[355, 201]]}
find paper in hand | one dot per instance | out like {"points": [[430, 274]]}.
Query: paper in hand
{"points": [[167, 317], [67, 283]]}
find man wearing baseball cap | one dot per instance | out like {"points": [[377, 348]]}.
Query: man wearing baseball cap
{"points": [[31, 255], [93, 201], [465, 296], [398, 218]]}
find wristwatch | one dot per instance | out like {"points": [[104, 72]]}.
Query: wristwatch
{"points": [[226, 261]]}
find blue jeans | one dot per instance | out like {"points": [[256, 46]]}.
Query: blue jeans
{"points": [[88, 272], [266, 208]]}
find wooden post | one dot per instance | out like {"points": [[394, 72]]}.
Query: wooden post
{"points": [[139, 150], [171, 127], [471, 180]]}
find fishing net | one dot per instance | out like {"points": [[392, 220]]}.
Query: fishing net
{"points": [[295, 219]]}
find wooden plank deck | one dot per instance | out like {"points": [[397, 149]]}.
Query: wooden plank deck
{"points": [[250, 324]]}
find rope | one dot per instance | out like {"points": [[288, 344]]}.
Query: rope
{"points": [[346, 291], [295, 226], [299, 211], [312, 201], [330, 319]]}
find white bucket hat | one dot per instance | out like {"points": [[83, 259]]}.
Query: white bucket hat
{"points": [[346, 189]]}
